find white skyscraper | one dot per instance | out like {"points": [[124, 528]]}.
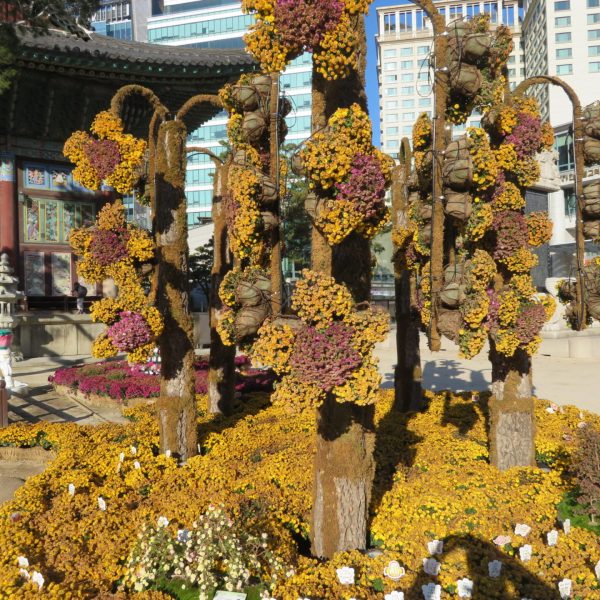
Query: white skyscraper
{"points": [[404, 43]]}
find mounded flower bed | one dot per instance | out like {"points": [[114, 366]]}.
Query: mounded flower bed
{"points": [[116, 380], [77, 524]]}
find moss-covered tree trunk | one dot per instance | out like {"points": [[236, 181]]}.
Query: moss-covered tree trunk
{"points": [[344, 465], [408, 393], [512, 416], [221, 364], [176, 406]]}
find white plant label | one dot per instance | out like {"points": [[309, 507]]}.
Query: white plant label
{"points": [[522, 529], [564, 588], [345, 575], [552, 537], [431, 591], [525, 552], [465, 588], [435, 547], [495, 568], [431, 566]]}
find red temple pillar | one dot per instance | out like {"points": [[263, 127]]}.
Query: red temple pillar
{"points": [[9, 239]]}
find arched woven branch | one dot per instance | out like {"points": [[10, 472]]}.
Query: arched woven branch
{"points": [[201, 150], [578, 135], [116, 104], [198, 99]]}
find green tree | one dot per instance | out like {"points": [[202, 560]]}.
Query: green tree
{"points": [[200, 267], [73, 16]]}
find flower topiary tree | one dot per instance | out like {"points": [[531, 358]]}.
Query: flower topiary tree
{"points": [[348, 178]]}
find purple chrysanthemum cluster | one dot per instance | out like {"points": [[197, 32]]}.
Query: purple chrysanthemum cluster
{"points": [[130, 332], [526, 136], [303, 23], [365, 187], [511, 232], [104, 156], [119, 380], [530, 322], [491, 320], [109, 246], [325, 358]]}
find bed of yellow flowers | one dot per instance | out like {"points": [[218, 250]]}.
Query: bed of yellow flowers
{"points": [[77, 522]]}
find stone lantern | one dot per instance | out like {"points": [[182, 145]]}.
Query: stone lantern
{"points": [[8, 321]]}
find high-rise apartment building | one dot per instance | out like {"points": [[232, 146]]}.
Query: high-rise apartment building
{"points": [[123, 19], [562, 38], [221, 24], [404, 45]]}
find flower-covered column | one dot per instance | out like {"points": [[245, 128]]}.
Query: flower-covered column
{"points": [[347, 178]]}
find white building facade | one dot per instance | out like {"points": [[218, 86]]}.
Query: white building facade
{"points": [[562, 38], [404, 45]]}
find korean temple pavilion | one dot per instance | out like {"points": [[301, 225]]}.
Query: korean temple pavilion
{"points": [[63, 81]]}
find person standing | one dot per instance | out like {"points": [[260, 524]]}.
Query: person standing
{"points": [[80, 292]]}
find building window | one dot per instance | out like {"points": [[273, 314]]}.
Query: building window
{"points": [[389, 53], [389, 22], [561, 38], [455, 12], [594, 35], [593, 3], [406, 64], [390, 66], [564, 69], [511, 60], [508, 15], [562, 22], [407, 77], [594, 67], [593, 19], [406, 51], [491, 8], [564, 147], [393, 144], [408, 116], [391, 78], [570, 203], [408, 103], [562, 5], [472, 10], [422, 50], [405, 21], [424, 76], [562, 53], [392, 118], [512, 73], [594, 51], [407, 90], [391, 91], [391, 104], [391, 131], [424, 89], [424, 102], [422, 20], [407, 130]]}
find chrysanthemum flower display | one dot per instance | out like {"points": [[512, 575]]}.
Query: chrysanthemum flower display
{"points": [[109, 156], [326, 349], [284, 29], [114, 249], [349, 175]]}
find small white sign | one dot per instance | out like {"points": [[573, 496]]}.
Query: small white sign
{"points": [[345, 575], [564, 588], [525, 552], [495, 568], [465, 588], [38, 578], [133, 450], [221, 595], [394, 571], [431, 591], [101, 503], [435, 547], [597, 570], [567, 526], [136, 465], [71, 489], [552, 537], [522, 529], [431, 566], [395, 595]]}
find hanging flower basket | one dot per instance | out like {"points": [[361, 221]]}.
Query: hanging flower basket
{"points": [[455, 287], [458, 205], [249, 319], [591, 150], [298, 166], [253, 292], [425, 234], [254, 126], [268, 189], [591, 116], [424, 210], [591, 229], [270, 220], [458, 174], [314, 205], [449, 323], [246, 97], [475, 46], [458, 29], [591, 198], [262, 83], [465, 79], [458, 149], [593, 306]]}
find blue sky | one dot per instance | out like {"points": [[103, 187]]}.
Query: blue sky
{"points": [[372, 89]]}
